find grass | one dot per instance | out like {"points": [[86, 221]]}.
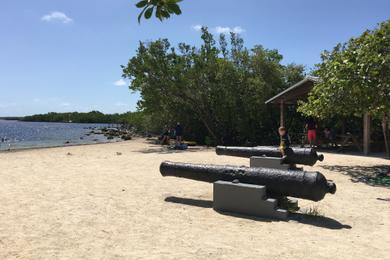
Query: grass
{"points": [[313, 211]]}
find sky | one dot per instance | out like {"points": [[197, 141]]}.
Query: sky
{"points": [[65, 55]]}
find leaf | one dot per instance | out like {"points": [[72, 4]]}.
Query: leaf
{"points": [[141, 4], [165, 14], [140, 14], [149, 12], [159, 13], [174, 8]]}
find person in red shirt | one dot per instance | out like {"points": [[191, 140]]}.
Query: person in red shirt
{"points": [[311, 127]]}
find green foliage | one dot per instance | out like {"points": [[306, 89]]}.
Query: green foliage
{"points": [[217, 90], [354, 77], [163, 8], [136, 119]]}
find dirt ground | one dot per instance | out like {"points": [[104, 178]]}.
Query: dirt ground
{"points": [[109, 201]]}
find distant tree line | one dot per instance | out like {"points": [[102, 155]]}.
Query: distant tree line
{"points": [[129, 118], [11, 118]]}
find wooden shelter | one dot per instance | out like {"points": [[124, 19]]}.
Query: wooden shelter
{"points": [[300, 91]]}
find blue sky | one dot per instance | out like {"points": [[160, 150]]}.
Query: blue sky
{"points": [[65, 55]]}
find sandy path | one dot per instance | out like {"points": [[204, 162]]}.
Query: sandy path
{"points": [[95, 204]]}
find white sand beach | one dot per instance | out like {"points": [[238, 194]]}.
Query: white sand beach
{"points": [[109, 201]]}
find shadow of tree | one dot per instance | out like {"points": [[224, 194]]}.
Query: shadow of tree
{"points": [[318, 221], [376, 175]]}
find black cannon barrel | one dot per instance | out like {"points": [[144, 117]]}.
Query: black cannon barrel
{"points": [[299, 184], [306, 156]]}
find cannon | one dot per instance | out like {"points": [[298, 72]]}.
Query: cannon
{"points": [[306, 156], [299, 184]]}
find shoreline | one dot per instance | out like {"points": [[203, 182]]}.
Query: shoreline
{"points": [[355, 154], [20, 135], [61, 146]]}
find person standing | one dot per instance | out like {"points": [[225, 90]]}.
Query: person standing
{"points": [[165, 136], [178, 133], [311, 127], [285, 140], [284, 146]]}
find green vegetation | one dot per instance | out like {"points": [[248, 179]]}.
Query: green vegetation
{"points": [[11, 118], [216, 91], [163, 8], [136, 119], [355, 79]]}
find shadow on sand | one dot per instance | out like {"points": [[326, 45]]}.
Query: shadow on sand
{"points": [[164, 149], [190, 202], [377, 175], [318, 221]]}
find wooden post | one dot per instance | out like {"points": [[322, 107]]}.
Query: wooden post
{"points": [[386, 134], [281, 113], [366, 133]]}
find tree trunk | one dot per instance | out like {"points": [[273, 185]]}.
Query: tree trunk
{"points": [[386, 134], [208, 128]]}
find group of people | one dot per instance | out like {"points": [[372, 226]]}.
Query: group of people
{"points": [[175, 133], [327, 134], [311, 127]]}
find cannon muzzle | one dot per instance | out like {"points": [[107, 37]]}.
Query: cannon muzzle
{"points": [[306, 156], [299, 184]]}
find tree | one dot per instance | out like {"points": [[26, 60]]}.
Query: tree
{"points": [[354, 79], [163, 8], [217, 91]]}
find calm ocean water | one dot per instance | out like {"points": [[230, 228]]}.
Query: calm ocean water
{"points": [[17, 134]]}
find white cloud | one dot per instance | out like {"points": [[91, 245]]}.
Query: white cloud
{"points": [[65, 104], [221, 29], [120, 104], [57, 16], [236, 29], [120, 83], [197, 27]]}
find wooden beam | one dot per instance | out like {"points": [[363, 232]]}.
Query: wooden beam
{"points": [[281, 113], [366, 133]]}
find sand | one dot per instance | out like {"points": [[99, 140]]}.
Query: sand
{"points": [[89, 202]]}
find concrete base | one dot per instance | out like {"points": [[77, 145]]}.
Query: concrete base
{"points": [[268, 162], [247, 199]]}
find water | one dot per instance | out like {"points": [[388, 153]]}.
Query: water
{"points": [[18, 134]]}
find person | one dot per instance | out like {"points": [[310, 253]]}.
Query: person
{"points": [[165, 136], [285, 140], [311, 127], [329, 137], [178, 133], [285, 143]]}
